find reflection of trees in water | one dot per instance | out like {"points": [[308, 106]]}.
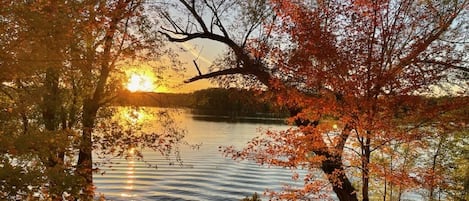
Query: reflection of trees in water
{"points": [[235, 102], [248, 119]]}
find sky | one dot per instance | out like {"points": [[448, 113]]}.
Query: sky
{"points": [[204, 52]]}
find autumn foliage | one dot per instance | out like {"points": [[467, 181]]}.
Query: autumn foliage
{"points": [[356, 71], [360, 79], [376, 89], [60, 68]]}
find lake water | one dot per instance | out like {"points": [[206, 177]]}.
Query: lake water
{"points": [[205, 173]]}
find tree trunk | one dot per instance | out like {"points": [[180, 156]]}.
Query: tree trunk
{"points": [[390, 183], [385, 189], [434, 163], [365, 169], [332, 166], [341, 185], [385, 182], [24, 122], [85, 159], [51, 100], [399, 194], [50, 113]]}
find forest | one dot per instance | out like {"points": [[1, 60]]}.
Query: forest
{"points": [[212, 101], [376, 91]]}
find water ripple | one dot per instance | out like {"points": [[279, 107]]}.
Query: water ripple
{"points": [[204, 174]]}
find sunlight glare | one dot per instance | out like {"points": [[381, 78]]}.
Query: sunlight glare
{"points": [[132, 151], [133, 116], [140, 82]]}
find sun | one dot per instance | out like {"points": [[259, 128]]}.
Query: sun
{"points": [[144, 79], [140, 82]]}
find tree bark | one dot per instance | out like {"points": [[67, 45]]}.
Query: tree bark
{"points": [[50, 110], [341, 185], [332, 166], [51, 102], [85, 159], [434, 164], [365, 169]]}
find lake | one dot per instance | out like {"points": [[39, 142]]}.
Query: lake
{"points": [[204, 175]]}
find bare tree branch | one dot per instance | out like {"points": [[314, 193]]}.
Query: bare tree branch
{"points": [[449, 65], [246, 61], [218, 22], [195, 14], [230, 71], [197, 67], [175, 26]]}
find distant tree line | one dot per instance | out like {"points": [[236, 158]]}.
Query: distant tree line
{"points": [[213, 101]]}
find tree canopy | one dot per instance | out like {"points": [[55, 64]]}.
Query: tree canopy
{"points": [[60, 67], [353, 75], [370, 85]]}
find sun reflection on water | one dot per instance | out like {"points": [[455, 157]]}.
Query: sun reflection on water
{"points": [[131, 151], [130, 181], [133, 116], [146, 119], [136, 125]]}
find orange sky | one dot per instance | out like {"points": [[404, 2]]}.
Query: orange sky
{"points": [[150, 76]]}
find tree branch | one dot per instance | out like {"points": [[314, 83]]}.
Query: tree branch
{"points": [[230, 71], [197, 67], [217, 21], [191, 36], [249, 64], [424, 44], [461, 68], [195, 14], [343, 137]]}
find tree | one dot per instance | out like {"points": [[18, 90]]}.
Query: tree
{"points": [[61, 66], [352, 74], [34, 51], [446, 175]]}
